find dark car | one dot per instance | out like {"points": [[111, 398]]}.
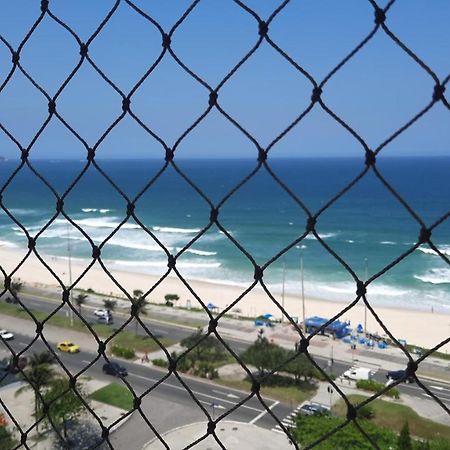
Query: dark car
{"points": [[115, 369], [396, 375], [312, 409]]}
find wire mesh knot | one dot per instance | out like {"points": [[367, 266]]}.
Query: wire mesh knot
{"points": [[45, 407], [72, 382], [91, 155], [95, 252], [39, 327], [213, 215], [169, 154], [126, 104], [212, 326], [130, 208], [212, 98], [263, 28], [59, 205], [351, 412], [258, 274], [310, 224], [15, 57], [51, 106], [316, 93], [360, 288], [424, 235], [105, 432], [101, 347], [172, 364], [83, 49], [211, 427], [25, 154], [370, 158], [65, 295], [438, 92], [171, 262], [411, 369], [166, 40], [256, 386], [7, 282], [262, 155], [31, 243], [302, 346], [44, 5], [136, 402], [380, 16], [23, 438]]}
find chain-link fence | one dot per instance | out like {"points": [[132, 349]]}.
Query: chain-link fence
{"points": [[168, 157]]}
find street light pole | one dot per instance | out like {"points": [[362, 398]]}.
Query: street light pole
{"points": [[303, 293], [366, 268], [282, 289], [70, 273]]}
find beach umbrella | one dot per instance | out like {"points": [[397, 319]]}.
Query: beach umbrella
{"points": [[267, 316]]}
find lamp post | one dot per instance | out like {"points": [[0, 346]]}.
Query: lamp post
{"points": [[282, 288], [366, 269], [303, 293], [70, 273]]}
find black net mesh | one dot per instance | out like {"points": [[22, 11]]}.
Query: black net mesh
{"points": [[169, 160]]}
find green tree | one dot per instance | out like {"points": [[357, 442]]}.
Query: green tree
{"points": [[404, 439], [300, 366], [7, 442], [109, 304], [15, 287], [140, 305], [80, 300], [171, 298], [64, 405], [39, 374], [264, 355]]}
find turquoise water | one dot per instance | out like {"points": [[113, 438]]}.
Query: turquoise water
{"points": [[366, 227]]}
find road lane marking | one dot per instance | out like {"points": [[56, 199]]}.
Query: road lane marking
{"points": [[226, 394], [181, 388], [263, 413], [439, 388]]}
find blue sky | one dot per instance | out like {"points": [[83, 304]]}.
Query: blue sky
{"points": [[378, 91]]}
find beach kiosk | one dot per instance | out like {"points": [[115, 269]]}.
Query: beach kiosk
{"points": [[336, 329]]}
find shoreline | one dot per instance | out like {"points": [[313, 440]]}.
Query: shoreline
{"points": [[419, 327]]}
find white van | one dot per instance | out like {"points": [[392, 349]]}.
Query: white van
{"points": [[359, 373]]}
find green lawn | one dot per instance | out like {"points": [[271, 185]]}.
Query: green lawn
{"points": [[114, 394], [287, 394], [393, 416]]}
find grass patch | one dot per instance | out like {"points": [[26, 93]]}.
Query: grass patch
{"points": [[285, 394], [114, 394], [124, 339], [393, 416]]}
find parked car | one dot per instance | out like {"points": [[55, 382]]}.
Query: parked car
{"points": [[396, 375], [102, 312], [107, 320], [359, 373], [6, 365], [11, 300], [68, 347], [6, 335], [115, 369], [311, 409]]}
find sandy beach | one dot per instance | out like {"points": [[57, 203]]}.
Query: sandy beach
{"points": [[416, 327]]}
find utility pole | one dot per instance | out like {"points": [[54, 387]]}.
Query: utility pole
{"points": [[70, 272], [303, 293], [282, 288], [366, 268]]}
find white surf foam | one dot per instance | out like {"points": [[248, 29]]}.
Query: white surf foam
{"points": [[435, 276], [176, 230], [197, 252], [7, 244], [321, 235], [388, 243], [180, 264], [444, 249], [88, 210]]}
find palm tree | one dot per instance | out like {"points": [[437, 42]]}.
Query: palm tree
{"points": [[80, 299], [39, 374], [110, 304], [139, 303], [15, 287]]}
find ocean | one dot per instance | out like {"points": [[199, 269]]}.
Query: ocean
{"points": [[367, 227]]}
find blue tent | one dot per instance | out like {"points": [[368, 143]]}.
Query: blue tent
{"points": [[211, 306], [267, 316], [359, 328]]}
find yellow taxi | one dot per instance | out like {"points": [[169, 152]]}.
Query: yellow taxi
{"points": [[69, 347]]}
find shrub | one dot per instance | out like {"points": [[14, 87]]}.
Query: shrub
{"points": [[374, 386], [366, 412], [160, 362], [123, 352]]}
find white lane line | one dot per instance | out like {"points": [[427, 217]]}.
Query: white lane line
{"points": [[180, 388], [278, 431], [22, 343], [264, 412], [226, 394], [216, 405], [439, 388], [85, 361]]}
